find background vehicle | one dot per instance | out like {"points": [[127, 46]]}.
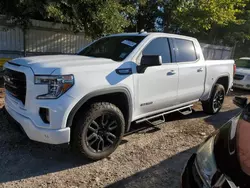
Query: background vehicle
{"points": [[90, 99], [223, 159], [242, 75]]}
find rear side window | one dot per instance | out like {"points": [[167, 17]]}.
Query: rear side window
{"points": [[185, 50], [158, 46]]}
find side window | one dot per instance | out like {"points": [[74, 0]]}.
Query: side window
{"points": [[185, 50], [158, 46]]}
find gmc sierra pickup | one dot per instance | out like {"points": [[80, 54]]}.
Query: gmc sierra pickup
{"points": [[90, 99]]}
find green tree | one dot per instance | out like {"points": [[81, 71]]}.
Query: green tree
{"points": [[196, 16], [20, 11], [95, 18], [144, 14]]}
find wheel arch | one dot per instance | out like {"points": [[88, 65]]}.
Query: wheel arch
{"points": [[107, 95], [223, 80]]}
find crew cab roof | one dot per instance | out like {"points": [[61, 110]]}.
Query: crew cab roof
{"points": [[153, 34]]}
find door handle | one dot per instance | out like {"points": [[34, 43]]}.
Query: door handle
{"points": [[172, 72], [200, 70]]}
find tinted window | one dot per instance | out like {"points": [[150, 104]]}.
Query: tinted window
{"points": [[160, 47], [243, 63], [185, 50], [116, 48]]}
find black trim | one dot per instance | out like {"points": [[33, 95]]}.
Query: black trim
{"points": [[99, 93], [124, 71], [172, 51], [216, 83], [11, 63], [189, 175], [44, 112], [17, 126]]}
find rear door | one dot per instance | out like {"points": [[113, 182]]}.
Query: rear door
{"points": [[191, 70]]}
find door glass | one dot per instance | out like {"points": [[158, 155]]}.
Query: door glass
{"points": [[159, 46], [185, 50]]}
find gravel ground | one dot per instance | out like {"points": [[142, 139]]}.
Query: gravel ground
{"points": [[152, 157]]}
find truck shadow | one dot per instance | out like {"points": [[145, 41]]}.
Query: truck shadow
{"points": [[21, 158], [163, 174], [216, 120]]}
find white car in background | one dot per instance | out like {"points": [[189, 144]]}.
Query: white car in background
{"points": [[242, 75]]}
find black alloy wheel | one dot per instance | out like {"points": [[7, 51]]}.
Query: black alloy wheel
{"points": [[218, 100], [102, 133], [98, 130]]}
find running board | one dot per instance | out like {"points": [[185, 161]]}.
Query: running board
{"points": [[186, 111], [183, 110]]}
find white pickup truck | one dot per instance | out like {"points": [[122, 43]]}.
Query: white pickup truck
{"points": [[90, 99]]}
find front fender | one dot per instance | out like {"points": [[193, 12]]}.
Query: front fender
{"points": [[101, 92]]}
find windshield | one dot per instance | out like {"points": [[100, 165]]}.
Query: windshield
{"points": [[243, 63], [116, 48]]}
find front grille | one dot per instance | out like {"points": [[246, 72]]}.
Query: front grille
{"points": [[15, 84], [238, 77]]}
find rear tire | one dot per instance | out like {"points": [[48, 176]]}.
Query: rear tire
{"points": [[214, 104], [98, 131]]}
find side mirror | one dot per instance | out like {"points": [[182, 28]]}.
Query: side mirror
{"points": [[149, 61], [240, 101]]}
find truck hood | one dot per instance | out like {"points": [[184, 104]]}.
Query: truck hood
{"points": [[243, 71], [48, 64]]}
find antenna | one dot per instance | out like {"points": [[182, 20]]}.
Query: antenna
{"points": [[142, 31]]}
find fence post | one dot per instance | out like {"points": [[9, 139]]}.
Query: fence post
{"points": [[24, 42], [233, 50]]}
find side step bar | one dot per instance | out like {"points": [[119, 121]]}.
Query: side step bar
{"points": [[186, 111], [183, 110]]}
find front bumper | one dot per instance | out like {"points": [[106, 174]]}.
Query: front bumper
{"points": [[28, 114], [59, 136], [242, 84]]}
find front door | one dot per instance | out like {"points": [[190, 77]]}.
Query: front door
{"points": [[157, 86]]}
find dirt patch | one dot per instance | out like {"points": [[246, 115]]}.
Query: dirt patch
{"points": [[151, 157]]}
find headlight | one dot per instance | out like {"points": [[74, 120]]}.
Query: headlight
{"points": [[205, 161], [57, 85]]}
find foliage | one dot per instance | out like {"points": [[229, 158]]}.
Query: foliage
{"points": [[214, 21], [94, 17], [144, 14], [20, 11]]}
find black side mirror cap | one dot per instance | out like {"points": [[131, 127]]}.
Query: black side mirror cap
{"points": [[240, 101], [149, 61]]}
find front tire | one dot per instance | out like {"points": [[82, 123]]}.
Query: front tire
{"points": [[214, 104], [98, 131]]}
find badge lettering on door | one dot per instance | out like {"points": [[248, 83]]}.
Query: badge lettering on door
{"points": [[147, 103]]}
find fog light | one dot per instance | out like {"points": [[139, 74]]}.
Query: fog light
{"points": [[44, 114]]}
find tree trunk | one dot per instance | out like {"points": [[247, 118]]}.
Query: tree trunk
{"points": [[166, 24], [212, 34]]}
